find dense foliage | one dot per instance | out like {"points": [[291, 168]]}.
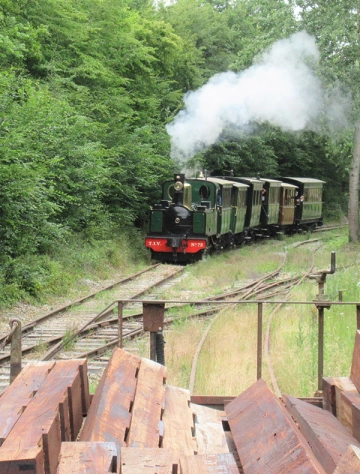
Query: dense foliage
{"points": [[88, 86]]}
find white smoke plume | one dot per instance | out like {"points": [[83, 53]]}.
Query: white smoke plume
{"points": [[281, 88]]}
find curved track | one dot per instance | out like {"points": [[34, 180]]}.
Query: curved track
{"points": [[267, 341], [255, 288], [265, 288], [88, 326]]}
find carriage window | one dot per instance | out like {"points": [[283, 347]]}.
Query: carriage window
{"points": [[289, 197], [226, 197], [204, 192], [257, 198], [242, 198], [274, 196], [312, 194]]}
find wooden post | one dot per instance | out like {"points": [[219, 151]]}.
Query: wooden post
{"points": [[357, 316], [259, 341]]}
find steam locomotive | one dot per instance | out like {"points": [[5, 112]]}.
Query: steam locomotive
{"points": [[196, 216]]}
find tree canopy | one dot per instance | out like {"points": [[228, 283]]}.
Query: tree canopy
{"points": [[88, 87]]}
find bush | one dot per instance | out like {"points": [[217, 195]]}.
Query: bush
{"points": [[36, 278]]}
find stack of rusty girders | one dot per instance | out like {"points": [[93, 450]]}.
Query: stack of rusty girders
{"points": [[42, 407], [153, 426], [136, 423], [292, 435]]}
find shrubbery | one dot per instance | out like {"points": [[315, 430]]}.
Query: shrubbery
{"points": [[38, 278]]}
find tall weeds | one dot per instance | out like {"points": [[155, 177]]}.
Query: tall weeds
{"points": [[227, 364]]}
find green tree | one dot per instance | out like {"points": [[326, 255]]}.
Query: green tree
{"points": [[50, 148], [336, 28], [255, 25]]}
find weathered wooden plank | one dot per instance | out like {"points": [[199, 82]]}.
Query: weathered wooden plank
{"points": [[148, 461], [355, 365], [345, 409], [332, 390], [213, 401], [178, 422], [109, 414], [266, 437], [328, 438], [209, 432], [75, 401], [18, 395], [328, 390], [350, 412], [342, 384], [39, 446], [87, 458], [146, 430], [350, 462], [209, 464]]}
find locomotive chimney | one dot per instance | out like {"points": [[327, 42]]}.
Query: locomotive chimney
{"points": [[179, 180]]}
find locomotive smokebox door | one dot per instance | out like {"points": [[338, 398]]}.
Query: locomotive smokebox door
{"points": [[153, 316]]}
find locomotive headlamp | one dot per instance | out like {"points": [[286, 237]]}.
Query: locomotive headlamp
{"points": [[178, 186]]}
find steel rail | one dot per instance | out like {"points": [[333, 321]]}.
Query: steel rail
{"points": [[267, 351], [108, 310], [194, 363], [94, 323], [30, 326]]}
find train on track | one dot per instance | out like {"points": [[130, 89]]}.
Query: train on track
{"points": [[196, 216]]}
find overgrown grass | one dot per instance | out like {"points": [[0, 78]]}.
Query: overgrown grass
{"points": [[38, 278], [227, 365], [294, 340], [69, 340], [181, 343], [218, 273]]}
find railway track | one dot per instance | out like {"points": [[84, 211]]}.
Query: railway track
{"points": [[252, 290], [267, 340], [88, 327], [266, 288], [327, 227]]}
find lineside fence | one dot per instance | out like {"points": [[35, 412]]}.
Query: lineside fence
{"points": [[154, 320]]}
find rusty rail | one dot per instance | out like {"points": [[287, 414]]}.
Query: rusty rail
{"points": [[260, 304]]}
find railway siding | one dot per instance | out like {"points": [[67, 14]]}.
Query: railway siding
{"points": [[89, 324]]}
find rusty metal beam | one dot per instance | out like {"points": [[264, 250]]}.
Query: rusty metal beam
{"points": [[259, 341]]}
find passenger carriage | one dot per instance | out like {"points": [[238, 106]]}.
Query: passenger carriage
{"points": [[201, 214]]}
